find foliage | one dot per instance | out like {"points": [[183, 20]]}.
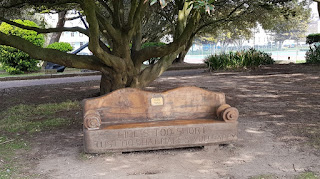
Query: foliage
{"points": [[313, 38], [313, 54], [235, 60], [152, 44], [289, 22], [205, 5], [293, 24], [121, 23], [61, 46], [15, 61]]}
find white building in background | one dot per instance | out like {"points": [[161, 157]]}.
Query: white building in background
{"points": [[259, 38], [75, 39]]}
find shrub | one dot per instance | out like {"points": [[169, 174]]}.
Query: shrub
{"points": [[13, 60], [237, 60], [152, 44], [61, 46], [313, 38], [313, 54]]}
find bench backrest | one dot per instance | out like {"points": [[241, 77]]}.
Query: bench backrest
{"points": [[133, 105]]}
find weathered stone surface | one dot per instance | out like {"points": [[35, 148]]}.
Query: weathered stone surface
{"points": [[160, 137], [133, 120]]}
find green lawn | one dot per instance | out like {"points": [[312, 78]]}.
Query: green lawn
{"points": [[67, 71], [22, 120]]}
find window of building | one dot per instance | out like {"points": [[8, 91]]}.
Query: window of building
{"points": [[72, 34], [81, 43]]}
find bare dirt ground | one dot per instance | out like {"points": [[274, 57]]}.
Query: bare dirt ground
{"points": [[278, 130]]}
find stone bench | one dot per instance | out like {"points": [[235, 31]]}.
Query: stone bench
{"points": [[133, 120]]}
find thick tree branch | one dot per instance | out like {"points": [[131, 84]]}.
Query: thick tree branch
{"points": [[94, 42], [71, 18], [51, 55], [106, 26], [117, 13], [49, 30], [150, 52], [133, 9], [154, 71], [134, 23], [104, 4], [47, 3], [229, 17]]}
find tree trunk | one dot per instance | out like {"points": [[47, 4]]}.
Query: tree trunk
{"points": [[182, 55], [56, 36], [112, 80], [61, 21], [280, 45]]}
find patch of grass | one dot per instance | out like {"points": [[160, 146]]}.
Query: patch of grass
{"points": [[308, 175], [84, 156], [313, 135], [66, 71], [301, 61], [28, 74], [8, 161], [262, 177], [30, 119], [22, 120]]}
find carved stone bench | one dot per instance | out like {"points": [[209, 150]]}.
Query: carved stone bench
{"points": [[133, 120]]}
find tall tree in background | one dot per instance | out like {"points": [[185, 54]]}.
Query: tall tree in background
{"points": [[120, 24], [293, 25], [61, 21]]}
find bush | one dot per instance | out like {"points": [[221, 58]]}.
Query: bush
{"points": [[152, 44], [313, 38], [238, 60], [61, 46], [13, 60], [313, 55]]}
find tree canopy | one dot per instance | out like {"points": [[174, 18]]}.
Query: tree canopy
{"points": [[117, 28]]}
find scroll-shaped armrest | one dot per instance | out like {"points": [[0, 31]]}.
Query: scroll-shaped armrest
{"points": [[228, 113], [92, 119]]}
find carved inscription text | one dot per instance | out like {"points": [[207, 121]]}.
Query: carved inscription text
{"points": [[155, 137]]}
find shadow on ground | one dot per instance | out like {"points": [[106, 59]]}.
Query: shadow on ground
{"points": [[278, 130]]}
